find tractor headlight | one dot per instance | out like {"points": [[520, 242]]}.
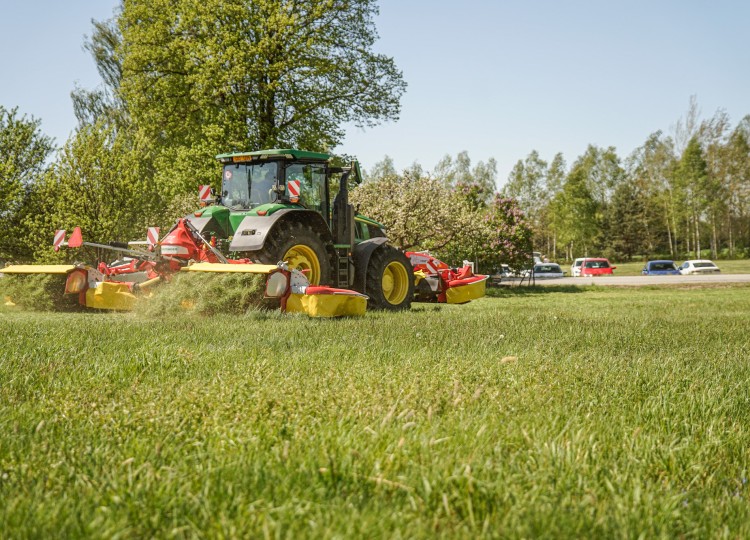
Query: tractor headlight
{"points": [[276, 285]]}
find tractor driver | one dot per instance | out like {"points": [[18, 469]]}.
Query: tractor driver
{"points": [[262, 186]]}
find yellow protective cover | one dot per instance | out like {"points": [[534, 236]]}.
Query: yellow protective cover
{"points": [[327, 305], [220, 267], [110, 295], [38, 269], [465, 293]]}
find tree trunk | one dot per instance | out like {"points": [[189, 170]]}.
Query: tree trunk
{"points": [[714, 239], [731, 236], [554, 247]]}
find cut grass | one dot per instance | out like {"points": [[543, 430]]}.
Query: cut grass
{"points": [[625, 413], [205, 294], [37, 292]]}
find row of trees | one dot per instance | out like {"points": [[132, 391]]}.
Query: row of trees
{"points": [[678, 196]]}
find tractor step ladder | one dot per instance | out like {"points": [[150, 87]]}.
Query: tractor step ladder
{"points": [[343, 263]]}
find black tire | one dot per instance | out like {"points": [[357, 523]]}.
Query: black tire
{"points": [[389, 260], [287, 235]]}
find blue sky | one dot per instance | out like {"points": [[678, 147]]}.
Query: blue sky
{"points": [[495, 78]]}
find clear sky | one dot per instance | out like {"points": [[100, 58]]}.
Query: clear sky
{"points": [[495, 78]]}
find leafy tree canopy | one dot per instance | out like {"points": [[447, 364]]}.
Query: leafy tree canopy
{"points": [[24, 151], [223, 75]]}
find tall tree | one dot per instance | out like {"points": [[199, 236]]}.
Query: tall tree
{"points": [[553, 186], [627, 223], [649, 169], [477, 184], [202, 76], [24, 151], [527, 183], [101, 182], [601, 170], [692, 178], [104, 45], [736, 158], [577, 222]]}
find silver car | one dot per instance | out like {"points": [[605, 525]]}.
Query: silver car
{"points": [[698, 266], [547, 271]]}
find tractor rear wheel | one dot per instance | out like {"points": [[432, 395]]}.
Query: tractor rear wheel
{"points": [[390, 280], [301, 248]]}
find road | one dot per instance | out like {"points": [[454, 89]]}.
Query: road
{"points": [[640, 280]]}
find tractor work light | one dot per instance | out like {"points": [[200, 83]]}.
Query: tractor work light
{"points": [[276, 285]]}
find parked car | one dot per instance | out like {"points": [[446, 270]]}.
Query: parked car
{"points": [[575, 268], [499, 274], [548, 271], [596, 267], [699, 266], [660, 268]]}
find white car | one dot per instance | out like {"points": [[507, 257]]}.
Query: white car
{"points": [[575, 268], [699, 266], [547, 271]]}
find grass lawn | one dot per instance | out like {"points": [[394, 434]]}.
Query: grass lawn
{"points": [[550, 412]]}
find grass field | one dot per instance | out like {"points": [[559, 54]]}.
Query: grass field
{"points": [[550, 413]]}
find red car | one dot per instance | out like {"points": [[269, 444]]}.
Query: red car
{"points": [[596, 267]]}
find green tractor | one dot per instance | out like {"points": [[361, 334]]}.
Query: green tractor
{"points": [[292, 205]]}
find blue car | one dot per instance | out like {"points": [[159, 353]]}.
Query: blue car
{"points": [[660, 268]]}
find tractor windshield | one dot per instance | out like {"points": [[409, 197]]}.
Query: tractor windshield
{"points": [[249, 185]]}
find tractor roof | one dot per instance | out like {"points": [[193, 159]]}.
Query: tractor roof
{"points": [[287, 153]]}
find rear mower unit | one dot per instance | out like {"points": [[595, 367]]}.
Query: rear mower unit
{"points": [[284, 214]]}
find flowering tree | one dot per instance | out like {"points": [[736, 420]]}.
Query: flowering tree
{"points": [[508, 233], [454, 223]]}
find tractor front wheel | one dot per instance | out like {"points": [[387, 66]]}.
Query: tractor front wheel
{"points": [[390, 280], [301, 248]]}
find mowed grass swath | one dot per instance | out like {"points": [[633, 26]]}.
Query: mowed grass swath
{"points": [[541, 412]]}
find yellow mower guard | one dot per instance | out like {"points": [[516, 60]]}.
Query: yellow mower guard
{"points": [[327, 305], [465, 293], [38, 269]]}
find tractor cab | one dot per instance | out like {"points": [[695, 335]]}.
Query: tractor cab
{"points": [[275, 177]]}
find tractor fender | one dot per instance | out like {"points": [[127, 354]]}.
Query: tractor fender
{"points": [[207, 226], [362, 253], [253, 231]]}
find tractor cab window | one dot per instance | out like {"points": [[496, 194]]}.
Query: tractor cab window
{"points": [[312, 179], [248, 185]]}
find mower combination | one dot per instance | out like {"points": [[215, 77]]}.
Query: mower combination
{"points": [[284, 214]]}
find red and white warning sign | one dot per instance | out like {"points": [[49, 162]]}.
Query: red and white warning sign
{"points": [[293, 186], [76, 238], [58, 240], [204, 193], [152, 236]]}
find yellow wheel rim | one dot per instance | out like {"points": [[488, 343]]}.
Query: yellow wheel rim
{"points": [[395, 283], [303, 257]]}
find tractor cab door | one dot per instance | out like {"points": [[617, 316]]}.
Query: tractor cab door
{"points": [[313, 188]]}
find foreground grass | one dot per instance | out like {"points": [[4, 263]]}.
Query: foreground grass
{"points": [[541, 413]]}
